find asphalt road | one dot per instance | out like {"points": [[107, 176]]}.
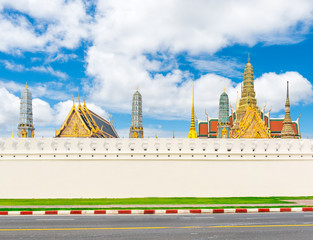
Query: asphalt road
{"points": [[284, 226]]}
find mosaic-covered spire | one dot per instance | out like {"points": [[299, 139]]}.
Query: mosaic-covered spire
{"points": [[136, 128], [25, 126], [223, 127], [247, 91], [287, 131]]}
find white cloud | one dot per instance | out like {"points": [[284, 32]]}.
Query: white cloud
{"points": [[50, 70], [43, 114], [271, 90], [13, 66], [55, 24], [10, 65], [132, 39], [9, 108]]}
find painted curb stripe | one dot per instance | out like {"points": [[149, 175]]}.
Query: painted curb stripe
{"points": [[158, 211]]}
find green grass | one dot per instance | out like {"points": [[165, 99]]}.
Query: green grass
{"points": [[147, 201]]}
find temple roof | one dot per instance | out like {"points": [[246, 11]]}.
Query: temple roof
{"points": [[82, 122]]}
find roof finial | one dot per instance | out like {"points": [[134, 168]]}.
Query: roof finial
{"points": [[156, 136], [137, 88], [73, 100], [26, 85], [79, 101], [173, 134], [224, 89], [12, 133], [287, 89], [248, 57], [84, 100]]}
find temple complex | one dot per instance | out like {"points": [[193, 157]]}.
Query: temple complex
{"points": [[248, 120], [136, 128], [82, 122], [25, 127]]}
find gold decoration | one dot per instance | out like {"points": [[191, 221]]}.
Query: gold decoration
{"points": [[192, 132], [23, 134], [251, 126]]}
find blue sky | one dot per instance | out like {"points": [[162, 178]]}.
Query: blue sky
{"points": [[104, 49]]}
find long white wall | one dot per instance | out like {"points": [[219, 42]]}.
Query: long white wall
{"points": [[101, 168]]}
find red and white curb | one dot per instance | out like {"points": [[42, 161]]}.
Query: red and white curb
{"points": [[156, 211]]}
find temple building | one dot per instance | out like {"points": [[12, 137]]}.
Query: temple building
{"points": [[25, 127], [223, 125], [248, 120], [82, 122], [136, 128]]}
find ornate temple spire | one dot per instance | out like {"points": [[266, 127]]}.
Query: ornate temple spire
{"points": [[223, 127], [84, 100], [25, 127], [192, 132], [136, 128], [79, 105], [248, 93], [287, 131]]}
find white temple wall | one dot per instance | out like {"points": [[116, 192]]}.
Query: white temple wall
{"points": [[116, 168]]}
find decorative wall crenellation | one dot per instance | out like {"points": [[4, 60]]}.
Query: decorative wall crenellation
{"points": [[155, 148]]}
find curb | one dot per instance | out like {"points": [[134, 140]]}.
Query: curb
{"points": [[158, 211]]}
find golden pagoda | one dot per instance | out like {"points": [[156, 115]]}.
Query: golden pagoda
{"points": [[82, 122], [248, 123], [192, 132]]}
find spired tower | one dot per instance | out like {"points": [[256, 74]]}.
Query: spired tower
{"points": [[136, 129], [287, 131], [25, 127], [248, 123], [192, 132], [247, 92], [223, 127]]}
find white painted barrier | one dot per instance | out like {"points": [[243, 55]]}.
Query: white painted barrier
{"points": [[101, 168]]}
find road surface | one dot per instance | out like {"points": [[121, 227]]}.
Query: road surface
{"points": [[284, 226]]}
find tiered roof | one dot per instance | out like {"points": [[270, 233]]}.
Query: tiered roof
{"points": [[82, 122]]}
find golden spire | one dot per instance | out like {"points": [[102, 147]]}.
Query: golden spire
{"points": [[79, 105], [192, 132], [84, 100], [173, 134], [248, 57], [12, 134], [26, 85], [156, 136], [73, 101], [137, 88]]}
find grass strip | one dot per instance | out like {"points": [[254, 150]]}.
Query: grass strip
{"points": [[147, 201]]}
